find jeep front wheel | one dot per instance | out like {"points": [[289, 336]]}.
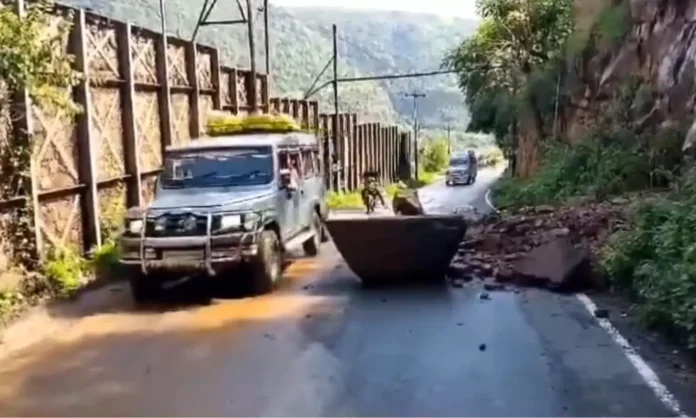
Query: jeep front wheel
{"points": [[144, 288], [265, 267]]}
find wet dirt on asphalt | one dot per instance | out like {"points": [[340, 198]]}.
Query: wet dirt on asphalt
{"points": [[324, 346]]}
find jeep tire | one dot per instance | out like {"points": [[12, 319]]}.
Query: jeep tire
{"points": [[311, 246], [143, 288], [266, 266], [324, 235]]}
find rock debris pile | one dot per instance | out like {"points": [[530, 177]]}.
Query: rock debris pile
{"points": [[540, 246]]}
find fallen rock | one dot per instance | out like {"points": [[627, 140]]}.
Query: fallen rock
{"points": [[601, 313], [407, 203], [493, 287], [504, 275], [498, 246], [557, 265]]}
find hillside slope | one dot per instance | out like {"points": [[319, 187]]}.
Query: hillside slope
{"points": [[369, 43]]}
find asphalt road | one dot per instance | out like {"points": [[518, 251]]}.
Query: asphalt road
{"points": [[323, 346]]}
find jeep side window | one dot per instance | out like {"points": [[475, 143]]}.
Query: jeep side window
{"points": [[293, 162], [316, 157], [308, 164]]}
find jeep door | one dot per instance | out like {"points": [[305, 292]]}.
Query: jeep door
{"points": [[312, 184], [287, 202]]}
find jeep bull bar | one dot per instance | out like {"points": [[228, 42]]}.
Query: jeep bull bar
{"points": [[242, 239]]}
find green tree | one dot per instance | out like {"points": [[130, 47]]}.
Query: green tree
{"points": [[435, 156], [515, 40], [32, 56]]}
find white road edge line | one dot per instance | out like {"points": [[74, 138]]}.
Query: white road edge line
{"points": [[644, 370], [489, 202]]}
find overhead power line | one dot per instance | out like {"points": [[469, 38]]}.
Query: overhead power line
{"points": [[312, 91]]}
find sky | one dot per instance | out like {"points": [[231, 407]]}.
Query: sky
{"points": [[446, 8]]}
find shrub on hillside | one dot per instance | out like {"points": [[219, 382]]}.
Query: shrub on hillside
{"points": [[597, 167], [655, 259]]}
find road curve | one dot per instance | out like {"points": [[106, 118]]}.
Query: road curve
{"points": [[323, 346]]}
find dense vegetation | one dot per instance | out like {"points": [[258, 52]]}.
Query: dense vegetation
{"points": [[370, 43], [654, 258]]}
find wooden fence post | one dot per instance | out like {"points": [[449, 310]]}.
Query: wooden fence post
{"points": [[86, 163], [390, 154], [265, 98], [285, 106], [215, 78], [315, 114], [234, 91], [250, 88], [395, 153], [335, 151], [304, 107], [360, 153], [23, 132], [387, 154], [383, 154], [130, 130], [326, 150], [353, 141], [295, 108], [378, 149], [274, 105], [344, 153], [164, 98], [372, 139], [191, 52]]}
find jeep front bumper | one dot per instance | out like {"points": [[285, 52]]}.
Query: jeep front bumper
{"points": [[192, 254]]}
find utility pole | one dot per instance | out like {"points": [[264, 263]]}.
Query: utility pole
{"points": [[253, 104], [336, 126], [415, 97], [449, 139], [267, 42]]}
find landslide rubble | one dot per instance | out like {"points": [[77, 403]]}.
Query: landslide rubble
{"points": [[541, 246]]}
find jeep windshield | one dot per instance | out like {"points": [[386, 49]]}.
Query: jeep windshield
{"points": [[242, 166], [458, 161]]}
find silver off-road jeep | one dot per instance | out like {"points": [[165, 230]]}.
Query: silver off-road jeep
{"points": [[228, 208]]}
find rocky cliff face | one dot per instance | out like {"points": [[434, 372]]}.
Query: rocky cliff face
{"points": [[655, 55], [659, 52]]}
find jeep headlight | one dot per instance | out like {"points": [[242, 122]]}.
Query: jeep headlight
{"points": [[230, 221], [251, 221], [135, 226]]}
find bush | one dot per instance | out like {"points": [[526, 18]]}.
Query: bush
{"points": [[656, 261], [595, 168], [435, 156], [65, 270]]}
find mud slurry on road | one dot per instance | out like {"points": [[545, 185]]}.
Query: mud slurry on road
{"points": [[154, 361]]}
